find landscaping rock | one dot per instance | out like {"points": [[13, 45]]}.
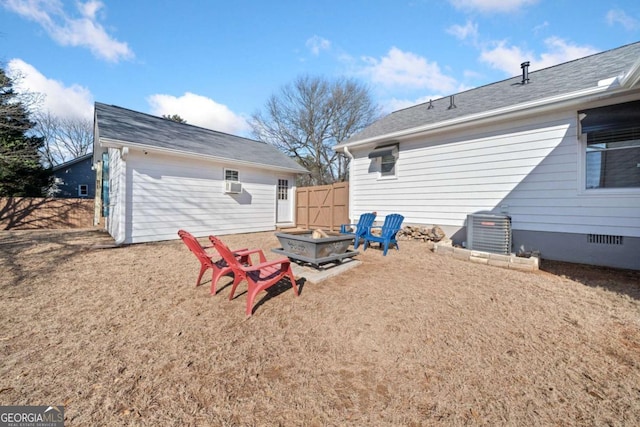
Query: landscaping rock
{"points": [[420, 232]]}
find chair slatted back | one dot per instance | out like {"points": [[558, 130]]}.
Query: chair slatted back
{"points": [[194, 246], [391, 226], [225, 252], [364, 223]]}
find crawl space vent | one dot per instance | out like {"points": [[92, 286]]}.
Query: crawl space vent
{"points": [[604, 239], [489, 233]]}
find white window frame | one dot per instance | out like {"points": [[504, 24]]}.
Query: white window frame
{"points": [[582, 176], [80, 192], [378, 161], [236, 171], [283, 191]]}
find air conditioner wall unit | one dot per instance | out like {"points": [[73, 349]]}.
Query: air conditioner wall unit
{"points": [[232, 187]]}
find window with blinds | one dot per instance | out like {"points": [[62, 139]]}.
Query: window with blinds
{"points": [[613, 158], [612, 145]]}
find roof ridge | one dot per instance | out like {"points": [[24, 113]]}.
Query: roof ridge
{"points": [[74, 160]]}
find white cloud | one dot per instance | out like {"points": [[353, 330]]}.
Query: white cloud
{"points": [[463, 32], [505, 58], [620, 17], [491, 6], [84, 31], [316, 43], [541, 27], [199, 111], [73, 101], [508, 58], [561, 51], [407, 70]]}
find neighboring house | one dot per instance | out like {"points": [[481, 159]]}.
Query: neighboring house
{"points": [[75, 178], [557, 149], [158, 176]]}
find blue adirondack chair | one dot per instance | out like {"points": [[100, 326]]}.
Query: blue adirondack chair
{"points": [[391, 226], [364, 223]]}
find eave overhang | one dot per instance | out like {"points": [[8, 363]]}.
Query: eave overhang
{"points": [[115, 143]]}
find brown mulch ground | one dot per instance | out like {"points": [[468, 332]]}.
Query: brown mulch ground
{"points": [[122, 337]]}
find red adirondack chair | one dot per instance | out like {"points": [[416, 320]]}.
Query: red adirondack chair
{"points": [[258, 276], [219, 267]]}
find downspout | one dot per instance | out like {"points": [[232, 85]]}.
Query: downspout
{"points": [[346, 151]]}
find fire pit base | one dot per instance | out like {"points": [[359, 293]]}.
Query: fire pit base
{"points": [[316, 261]]}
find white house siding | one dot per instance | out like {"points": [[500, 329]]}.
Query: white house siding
{"points": [[527, 169], [115, 222], [169, 193]]}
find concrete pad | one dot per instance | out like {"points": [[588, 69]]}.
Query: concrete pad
{"points": [[317, 275]]}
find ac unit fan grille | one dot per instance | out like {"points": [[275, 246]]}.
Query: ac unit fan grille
{"points": [[489, 233]]}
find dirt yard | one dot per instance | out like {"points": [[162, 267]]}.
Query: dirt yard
{"points": [[122, 336]]}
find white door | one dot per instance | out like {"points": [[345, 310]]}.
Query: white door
{"points": [[284, 208]]}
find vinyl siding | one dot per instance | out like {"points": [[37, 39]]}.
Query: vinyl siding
{"points": [[73, 175], [528, 169], [116, 221], [169, 193]]}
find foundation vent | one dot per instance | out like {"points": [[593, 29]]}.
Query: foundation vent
{"points": [[604, 239], [489, 232]]}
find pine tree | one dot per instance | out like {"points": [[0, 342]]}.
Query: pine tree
{"points": [[21, 173]]}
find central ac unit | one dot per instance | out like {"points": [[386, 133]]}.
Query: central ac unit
{"points": [[232, 187], [489, 232]]}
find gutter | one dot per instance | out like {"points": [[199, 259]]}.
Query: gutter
{"points": [[511, 112], [632, 78], [346, 151]]}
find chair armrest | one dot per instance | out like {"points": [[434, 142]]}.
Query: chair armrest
{"points": [[266, 264], [236, 253], [209, 252], [343, 228], [369, 234], [248, 252]]}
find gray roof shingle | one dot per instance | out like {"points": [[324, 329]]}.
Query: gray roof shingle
{"points": [[568, 77], [121, 124]]}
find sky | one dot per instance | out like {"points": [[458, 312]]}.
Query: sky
{"points": [[215, 63]]}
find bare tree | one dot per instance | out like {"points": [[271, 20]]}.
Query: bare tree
{"points": [[311, 115], [65, 138]]}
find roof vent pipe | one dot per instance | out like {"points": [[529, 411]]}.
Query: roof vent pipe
{"points": [[525, 72], [452, 104]]}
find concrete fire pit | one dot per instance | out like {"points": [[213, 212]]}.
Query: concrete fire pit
{"points": [[301, 246]]}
